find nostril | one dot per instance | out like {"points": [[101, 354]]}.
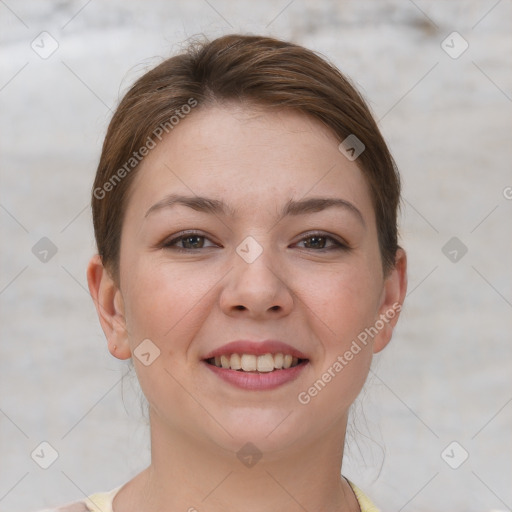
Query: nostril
{"points": [[242, 308]]}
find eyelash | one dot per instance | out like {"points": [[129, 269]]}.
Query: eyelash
{"points": [[336, 244]]}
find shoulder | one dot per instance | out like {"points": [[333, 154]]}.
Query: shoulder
{"points": [[99, 502]]}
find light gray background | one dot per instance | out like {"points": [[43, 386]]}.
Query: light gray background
{"points": [[447, 374]]}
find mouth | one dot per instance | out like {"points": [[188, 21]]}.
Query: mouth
{"points": [[251, 363], [256, 366]]}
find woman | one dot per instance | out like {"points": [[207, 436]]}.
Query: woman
{"points": [[245, 213]]}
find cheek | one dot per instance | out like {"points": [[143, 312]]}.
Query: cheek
{"points": [[344, 301], [166, 305], [342, 305], [162, 301]]}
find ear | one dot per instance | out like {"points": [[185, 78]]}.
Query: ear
{"points": [[392, 299], [109, 304]]}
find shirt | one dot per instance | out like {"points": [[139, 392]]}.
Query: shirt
{"points": [[102, 502]]}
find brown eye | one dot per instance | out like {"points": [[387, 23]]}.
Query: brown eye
{"points": [[188, 242], [192, 242], [315, 242], [321, 242]]}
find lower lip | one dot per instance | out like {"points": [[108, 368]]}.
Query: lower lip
{"points": [[258, 381]]}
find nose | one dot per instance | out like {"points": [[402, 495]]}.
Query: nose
{"points": [[256, 290]]}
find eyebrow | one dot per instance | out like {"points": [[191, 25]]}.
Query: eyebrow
{"points": [[292, 207], [198, 203]]}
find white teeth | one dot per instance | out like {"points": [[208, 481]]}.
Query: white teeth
{"points": [[265, 363], [235, 362], [251, 363], [248, 362]]}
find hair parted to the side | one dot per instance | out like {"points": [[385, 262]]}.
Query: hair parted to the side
{"points": [[253, 69]]}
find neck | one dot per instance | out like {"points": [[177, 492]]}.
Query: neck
{"points": [[192, 476]]}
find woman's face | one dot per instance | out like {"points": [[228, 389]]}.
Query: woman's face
{"points": [[250, 228]]}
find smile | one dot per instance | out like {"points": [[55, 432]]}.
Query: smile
{"points": [[265, 363], [256, 365]]}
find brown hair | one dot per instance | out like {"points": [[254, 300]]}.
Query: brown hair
{"points": [[261, 70]]}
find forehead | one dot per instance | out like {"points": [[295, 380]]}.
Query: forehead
{"points": [[250, 158]]}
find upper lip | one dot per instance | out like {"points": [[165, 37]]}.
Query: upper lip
{"points": [[257, 348]]}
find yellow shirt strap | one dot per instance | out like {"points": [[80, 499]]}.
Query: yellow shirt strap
{"points": [[364, 502], [102, 502]]}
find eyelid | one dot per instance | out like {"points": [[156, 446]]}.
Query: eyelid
{"points": [[324, 234], [339, 242], [172, 240]]}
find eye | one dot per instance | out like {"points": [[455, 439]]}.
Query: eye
{"points": [[188, 242], [321, 241]]}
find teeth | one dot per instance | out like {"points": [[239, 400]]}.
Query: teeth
{"points": [[251, 363], [265, 363], [235, 363]]}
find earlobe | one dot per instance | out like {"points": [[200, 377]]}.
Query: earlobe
{"points": [[109, 304], [393, 295]]}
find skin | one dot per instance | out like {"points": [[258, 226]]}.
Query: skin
{"points": [[188, 303]]}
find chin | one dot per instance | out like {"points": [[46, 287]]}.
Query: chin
{"points": [[270, 430]]}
